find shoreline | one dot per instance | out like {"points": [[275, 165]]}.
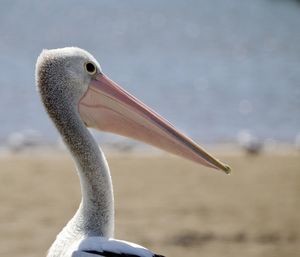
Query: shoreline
{"points": [[141, 150]]}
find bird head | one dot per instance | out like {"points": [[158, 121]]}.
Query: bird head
{"points": [[71, 79]]}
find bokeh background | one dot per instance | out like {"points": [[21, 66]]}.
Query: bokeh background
{"points": [[213, 68], [225, 72]]}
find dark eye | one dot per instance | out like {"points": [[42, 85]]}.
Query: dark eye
{"points": [[90, 68]]}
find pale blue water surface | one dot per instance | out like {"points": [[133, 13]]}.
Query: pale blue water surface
{"points": [[213, 68]]}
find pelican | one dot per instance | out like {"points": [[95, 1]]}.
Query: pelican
{"points": [[77, 94]]}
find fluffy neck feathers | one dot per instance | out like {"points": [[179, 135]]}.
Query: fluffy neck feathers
{"points": [[96, 212]]}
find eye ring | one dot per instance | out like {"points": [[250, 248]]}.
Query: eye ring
{"points": [[90, 68]]}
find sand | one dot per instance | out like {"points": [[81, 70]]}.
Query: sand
{"points": [[170, 205]]}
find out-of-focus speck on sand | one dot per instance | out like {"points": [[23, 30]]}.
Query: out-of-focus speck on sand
{"points": [[170, 205]]}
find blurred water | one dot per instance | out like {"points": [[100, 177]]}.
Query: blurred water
{"points": [[212, 67]]}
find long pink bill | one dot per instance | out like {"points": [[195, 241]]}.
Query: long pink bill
{"points": [[108, 107]]}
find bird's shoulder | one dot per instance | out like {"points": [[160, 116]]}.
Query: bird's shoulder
{"points": [[108, 247]]}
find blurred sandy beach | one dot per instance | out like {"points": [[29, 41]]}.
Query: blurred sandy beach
{"points": [[173, 206], [223, 72]]}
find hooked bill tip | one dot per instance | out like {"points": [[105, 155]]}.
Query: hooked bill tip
{"points": [[226, 169]]}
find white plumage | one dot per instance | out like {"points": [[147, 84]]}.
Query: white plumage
{"points": [[89, 246], [76, 94]]}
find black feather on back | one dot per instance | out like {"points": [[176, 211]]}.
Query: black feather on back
{"points": [[112, 254]]}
